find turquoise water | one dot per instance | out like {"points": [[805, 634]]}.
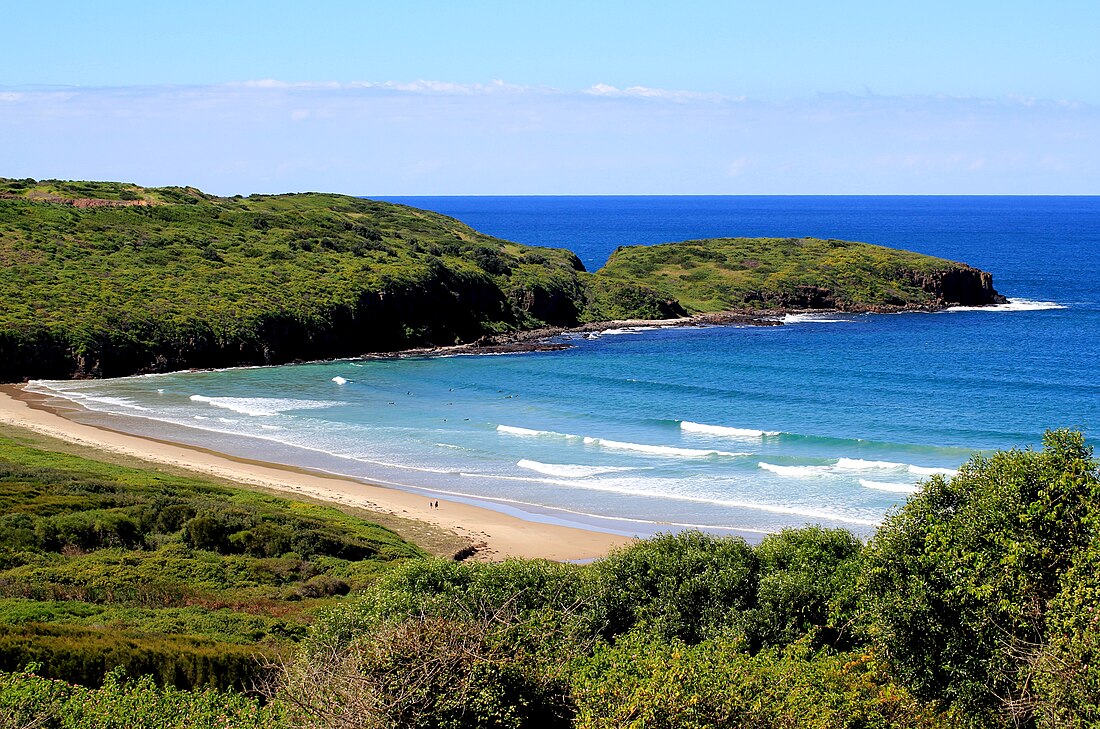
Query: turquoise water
{"points": [[828, 419]]}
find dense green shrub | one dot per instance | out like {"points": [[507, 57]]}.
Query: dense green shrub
{"points": [[961, 581], [657, 684], [30, 701], [687, 586], [807, 580]]}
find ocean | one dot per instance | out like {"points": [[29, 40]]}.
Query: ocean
{"points": [[830, 419]]}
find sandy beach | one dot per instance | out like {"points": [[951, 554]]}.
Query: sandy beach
{"points": [[496, 535]]}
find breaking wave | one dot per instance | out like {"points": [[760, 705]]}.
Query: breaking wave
{"points": [[726, 431], [896, 488], [568, 470], [263, 406]]}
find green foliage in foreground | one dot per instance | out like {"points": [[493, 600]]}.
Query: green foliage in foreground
{"points": [[28, 701], [975, 605], [758, 273], [195, 583], [982, 589]]}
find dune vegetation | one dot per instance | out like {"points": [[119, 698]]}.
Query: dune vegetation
{"points": [[192, 582]]}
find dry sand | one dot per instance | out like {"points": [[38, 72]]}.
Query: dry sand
{"points": [[500, 535]]}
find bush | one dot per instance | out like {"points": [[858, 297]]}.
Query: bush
{"points": [[806, 583], [645, 682], [427, 672], [686, 586], [27, 700], [960, 581]]}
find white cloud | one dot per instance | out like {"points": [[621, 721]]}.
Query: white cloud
{"points": [[645, 92], [439, 137]]}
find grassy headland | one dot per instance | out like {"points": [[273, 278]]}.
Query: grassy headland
{"points": [[735, 274], [102, 279]]}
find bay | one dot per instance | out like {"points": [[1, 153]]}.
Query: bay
{"points": [[829, 419]]}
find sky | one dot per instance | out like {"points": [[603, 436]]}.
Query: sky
{"points": [[454, 98]]}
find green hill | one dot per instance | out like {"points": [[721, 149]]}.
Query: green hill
{"points": [[730, 274], [101, 279]]}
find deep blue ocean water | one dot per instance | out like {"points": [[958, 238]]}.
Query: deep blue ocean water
{"points": [[829, 419]]}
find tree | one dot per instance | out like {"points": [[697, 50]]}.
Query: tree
{"points": [[960, 581]]}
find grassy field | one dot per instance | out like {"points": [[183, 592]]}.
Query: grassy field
{"points": [[192, 581]]}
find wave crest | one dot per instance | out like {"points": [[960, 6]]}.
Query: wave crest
{"points": [[1014, 305], [262, 406], [568, 470], [724, 430], [897, 488], [794, 471]]}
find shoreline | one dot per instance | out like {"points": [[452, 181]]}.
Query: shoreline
{"points": [[492, 535]]}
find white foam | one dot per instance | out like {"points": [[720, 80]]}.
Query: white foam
{"points": [[568, 470], [1013, 305], [794, 471], [339, 380], [262, 406], [813, 319], [897, 488], [117, 401], [628, 330], [922, 471], [659, 450], [723, 430], [527, 432], [652, 450], [858, 464]]}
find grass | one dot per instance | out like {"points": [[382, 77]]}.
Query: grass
{"points": [[184, 578], [737, 273]]}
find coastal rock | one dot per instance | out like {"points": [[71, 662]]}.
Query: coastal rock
{"points": [[960, 286]]}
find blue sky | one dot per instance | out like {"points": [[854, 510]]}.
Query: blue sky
{"points": [[557, 98]]}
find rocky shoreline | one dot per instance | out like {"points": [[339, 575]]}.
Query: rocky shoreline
{"points": [[543, 339]]}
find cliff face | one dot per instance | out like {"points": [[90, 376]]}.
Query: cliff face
{"points": [[442, 309], [960, 286]]}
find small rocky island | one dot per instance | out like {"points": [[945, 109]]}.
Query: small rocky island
{"points": [[104, 279]]}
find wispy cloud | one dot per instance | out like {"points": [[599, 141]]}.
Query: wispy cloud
{"points": [[440, 137]]}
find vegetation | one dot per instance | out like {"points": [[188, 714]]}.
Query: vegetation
{"points": [[28, 701], [975, 605], [177, 278], [730, 274], [195, 583], [107, 279]]}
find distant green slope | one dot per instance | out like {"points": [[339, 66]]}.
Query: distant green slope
{"points": [[730, 274], [169, 278], [101, 279]]}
